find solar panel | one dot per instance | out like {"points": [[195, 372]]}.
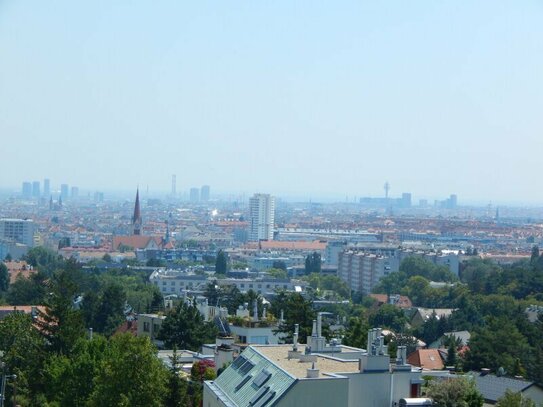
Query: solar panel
{"points": [[247, 366], [261, 378], [266, 399], [236, 364], [258, 395], [242, 383]]}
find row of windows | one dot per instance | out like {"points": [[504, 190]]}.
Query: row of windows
{"points": [[190, 284]]}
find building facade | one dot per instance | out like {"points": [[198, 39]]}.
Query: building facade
{"points": [[18, 231], [261, 217]]}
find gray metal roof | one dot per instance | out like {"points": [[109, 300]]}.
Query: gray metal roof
{"points": [[225, 385], [493, 387]]}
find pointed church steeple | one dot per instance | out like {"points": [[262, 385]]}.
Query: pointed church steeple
{"points": [[136, 219]]}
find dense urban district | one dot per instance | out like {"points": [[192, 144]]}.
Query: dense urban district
{"points": [[203, 300]]}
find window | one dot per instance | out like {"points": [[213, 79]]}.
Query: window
{"points": [[236, 364], [146, 327], [247, 366]]}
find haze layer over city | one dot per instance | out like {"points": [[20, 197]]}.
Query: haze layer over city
{"points": [[271, 204], [305, 100]]}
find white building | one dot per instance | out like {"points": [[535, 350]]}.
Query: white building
{"points": [[296, 375], [177, 282], [261, 217], [18, 231], [362, 270]]}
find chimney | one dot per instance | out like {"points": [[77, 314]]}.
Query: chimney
{"points": [[314, 330], [295, 338], [312, 373], [264, 312], [282, 316], [255, 311], [319, 325]]}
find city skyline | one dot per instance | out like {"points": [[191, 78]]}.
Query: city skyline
{"points": [[436, 99]]}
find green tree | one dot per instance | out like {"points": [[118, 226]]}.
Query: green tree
{"points": [[297, 310], [4, 277], [279, 264], [357, 331], [512, 399], [61, 324], [42, 258], [25, 291], [24, 356], [109, 313], [277, 273], [70, 379], [221, 263], [535, 255], [107, 258], [458, 392], [185, 328], [130, 374], [451, 354], [176, 395], [388, 316], [499, 344], [313, 263]]}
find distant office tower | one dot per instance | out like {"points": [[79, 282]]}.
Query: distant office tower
{"points": [[261, 217], [36, 189], [174, 185], [46, 188], [27, 190], [453, 201], [406, 200], [98, 197], [205, 193], [18, 231], [194, 195], [64, 192], [75, 192]]}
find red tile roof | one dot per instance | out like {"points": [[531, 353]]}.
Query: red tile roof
{"points": [[429, 359]]}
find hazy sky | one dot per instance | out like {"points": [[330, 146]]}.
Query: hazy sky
{"points": [[308, 98]]}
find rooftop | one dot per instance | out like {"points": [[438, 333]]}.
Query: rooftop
{"points": [[327, 364]]}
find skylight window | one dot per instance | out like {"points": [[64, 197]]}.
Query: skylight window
{"points": [[247, 366], [261, 378], [236, 364]]}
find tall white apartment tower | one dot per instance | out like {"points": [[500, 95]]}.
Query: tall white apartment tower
{"points": [[261, 217]]}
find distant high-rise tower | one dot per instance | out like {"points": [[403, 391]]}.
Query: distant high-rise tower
{"points": [[205, 193], [136, 219], [36, 189], [194, 195], [75, 192], [174, 185], [261, 217], [387, 188], [27, 190], [46, 187], [64, 192]]}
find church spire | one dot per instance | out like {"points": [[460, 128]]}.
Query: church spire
{"points": [[136, 219]]}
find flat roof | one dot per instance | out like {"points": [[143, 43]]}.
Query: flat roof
{"points": [[278, 354]]}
